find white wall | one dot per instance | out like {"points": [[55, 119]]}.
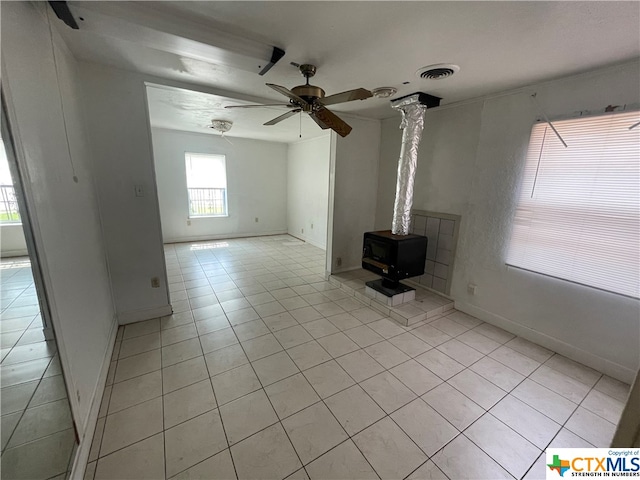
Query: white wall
{"points": [[440, 184], [64, 214], [308, 189], [470, 162], [12, 242], [117, 122], [354, 181], [256, 186]]}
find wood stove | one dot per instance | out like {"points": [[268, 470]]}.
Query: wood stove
{"points": [[394, 258]]}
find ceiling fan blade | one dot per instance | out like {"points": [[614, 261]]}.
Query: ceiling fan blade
{"points": [[287, 105], [332, 121], [320, 123], [288, 93], [282, 117], [348, 96]]}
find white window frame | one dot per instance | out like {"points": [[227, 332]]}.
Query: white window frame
{"points": [[578, 214], [206, 196], [9, 206], [8, 198]]}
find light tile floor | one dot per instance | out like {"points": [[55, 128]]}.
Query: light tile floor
{"points": [[37, 431], [267, 371]]}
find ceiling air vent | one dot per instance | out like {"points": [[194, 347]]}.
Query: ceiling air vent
{"points": [[437, 72]]}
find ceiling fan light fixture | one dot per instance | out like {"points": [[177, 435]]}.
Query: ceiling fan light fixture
{"points": [[384, 92], [438, 71], [221, 125]]}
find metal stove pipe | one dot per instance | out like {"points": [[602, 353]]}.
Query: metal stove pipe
{"points": [[412, 108]]}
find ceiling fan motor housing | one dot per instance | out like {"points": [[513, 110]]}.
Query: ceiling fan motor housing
{"points": [[307, 70], [308, 93]]}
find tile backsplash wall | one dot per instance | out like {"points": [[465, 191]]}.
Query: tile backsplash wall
{"points": [[441, 229]]}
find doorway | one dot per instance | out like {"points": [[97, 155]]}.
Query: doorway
{"points": [[39, 438], [272, 181]]}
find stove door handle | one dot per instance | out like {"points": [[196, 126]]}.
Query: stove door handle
{"points": [[384, 267]]}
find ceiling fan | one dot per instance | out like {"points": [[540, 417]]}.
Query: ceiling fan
{"points": [[310, 99]]}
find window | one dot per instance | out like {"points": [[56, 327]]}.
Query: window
{"points": [[8, 203], [206, 185], [578, 214]]}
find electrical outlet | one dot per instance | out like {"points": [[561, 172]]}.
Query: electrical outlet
{"points": [[302, 230], [339, 261], [471, 289], [155, 282], [256, 219], [312, 226], [78, 395]]}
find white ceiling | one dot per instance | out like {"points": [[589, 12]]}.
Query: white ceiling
{"points": [[180, 109], [498, 46]]}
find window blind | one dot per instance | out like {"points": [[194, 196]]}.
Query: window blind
{"points": [[206, 170], [206, 185], [578, 214]]}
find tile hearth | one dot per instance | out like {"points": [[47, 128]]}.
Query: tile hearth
{"points": [[422, 303]]}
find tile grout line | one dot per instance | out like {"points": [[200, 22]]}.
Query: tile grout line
{"points": [[323, 400], [104, 428], [486, 411], [271, 403], [272, 407], [23, 412], [332, 358], [224, 430], [164, 429], [563, 426]]}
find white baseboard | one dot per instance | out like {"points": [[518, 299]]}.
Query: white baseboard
{"points": [[22, 252], [48, 333], [615, 370], [221, 236], [345, 269], [134, 316], [86, 437], [305, 239]]}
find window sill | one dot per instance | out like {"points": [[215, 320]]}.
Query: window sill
{"points": [[10, 224], [208, 216]]}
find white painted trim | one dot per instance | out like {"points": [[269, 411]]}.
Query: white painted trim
{"points": [[133, 316], [345, 269], [304, 239], [223, 236], [48, 333], [23, 252], [314, 243], [628, 429], [154, 194], [328, 258], [603, 365], [86, 437]]}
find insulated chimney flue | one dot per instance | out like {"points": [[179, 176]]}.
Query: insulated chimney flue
{"points": [[412, 108]]}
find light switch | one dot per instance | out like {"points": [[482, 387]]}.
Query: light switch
{"points": [[139, 191]]}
